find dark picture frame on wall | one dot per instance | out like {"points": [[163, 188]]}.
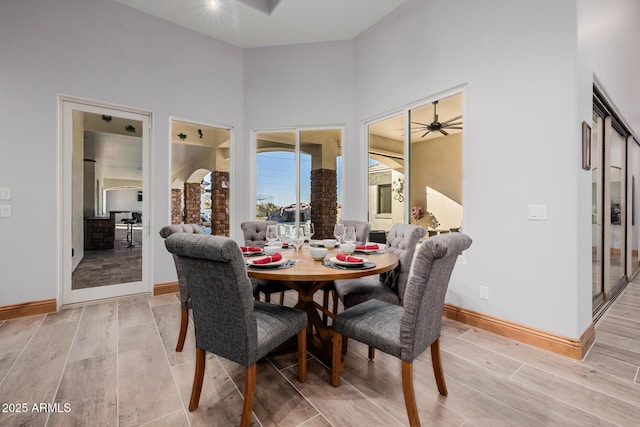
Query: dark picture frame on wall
{"points": [[586, 146]]}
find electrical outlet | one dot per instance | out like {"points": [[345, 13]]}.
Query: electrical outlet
{"points": [[484, 293], [5, 194]]}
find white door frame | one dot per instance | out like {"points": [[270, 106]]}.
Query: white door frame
{"points": [[67, 104]]}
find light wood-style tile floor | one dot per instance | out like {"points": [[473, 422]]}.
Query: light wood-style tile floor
{"points": [[114, 364]]}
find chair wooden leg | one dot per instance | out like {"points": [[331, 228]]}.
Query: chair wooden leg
{"points": [[302, 355], [282, 298], [345, 342], [267, 297], [334, 295], [372, 353], [201, 357], [437, 367], [184, 322], [409, 396], [336, 358], [325, 304], [249, 392]]}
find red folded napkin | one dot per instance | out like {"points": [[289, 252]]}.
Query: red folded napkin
{"points": [[348, 258], [367, 247], [285, 245], [268, 259], [250, 249]]}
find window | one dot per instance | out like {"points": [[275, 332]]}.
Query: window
{"points": [[420, 167], [384, 199], [298, 177]]}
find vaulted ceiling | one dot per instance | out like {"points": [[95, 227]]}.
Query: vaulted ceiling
{"points": [[259, 23]]}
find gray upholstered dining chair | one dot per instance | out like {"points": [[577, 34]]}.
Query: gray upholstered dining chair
{"points": [[390, 287], [228, 321], [405, 331], [185, 300], [255, 234], [362, 228]]}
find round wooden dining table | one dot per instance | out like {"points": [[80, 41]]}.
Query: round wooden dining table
{"points": [[308, 277]]}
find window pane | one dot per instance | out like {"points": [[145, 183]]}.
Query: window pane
{"points": [[384, 198], [319, 184], [436, 164], [386, 169], [276, 176]]}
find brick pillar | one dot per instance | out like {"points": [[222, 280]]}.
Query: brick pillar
{"points": [[192, 192], [220, 203], [324, 202], [176, 206]]}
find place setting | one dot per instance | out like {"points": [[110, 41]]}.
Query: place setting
{"points": [[369, 248], [270, 262], [345, 261], [251, 251]]}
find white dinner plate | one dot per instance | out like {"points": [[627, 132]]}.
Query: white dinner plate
{"points": [[278, 263], [348, 264], [260, 252]]}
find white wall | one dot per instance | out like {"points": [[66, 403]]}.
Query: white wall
{"points": [[123, 200], [303, 85], [520, 140], [104, 51]]}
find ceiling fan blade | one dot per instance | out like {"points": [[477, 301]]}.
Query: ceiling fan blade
{"points": [[452, 124], [444, 133], [425, 134], [418, 123], [418, 130], [452, 127], [453, 119]]}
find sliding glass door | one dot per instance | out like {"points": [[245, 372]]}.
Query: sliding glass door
{"points": [[615, 161]]}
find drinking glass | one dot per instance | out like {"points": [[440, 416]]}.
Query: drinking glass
{"points": [[272, 234], [309, 230], [286, 232], [349, 235], [297, 239], [338, 231]]}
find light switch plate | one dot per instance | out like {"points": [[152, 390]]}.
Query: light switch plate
{"points": [[5, 211], [5, 194], [538, 212]]}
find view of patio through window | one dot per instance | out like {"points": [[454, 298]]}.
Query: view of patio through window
{"points": [[424, 185], [298, 177]]}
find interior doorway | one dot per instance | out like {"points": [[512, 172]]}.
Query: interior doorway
{"points": [[105, 193]]}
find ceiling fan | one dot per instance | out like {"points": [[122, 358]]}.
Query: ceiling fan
{"points": [[437, 126]]}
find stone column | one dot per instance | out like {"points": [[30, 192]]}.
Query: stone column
{"points": [[176, 206], [324, 202], [220, 203], [192, 193]]}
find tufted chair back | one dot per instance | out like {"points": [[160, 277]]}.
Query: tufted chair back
{"points": [[402, 240], [362, 230], [255, 232], [167, 231]]}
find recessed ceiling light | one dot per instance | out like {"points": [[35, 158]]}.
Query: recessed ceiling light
{"points": [[213, 4]]}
